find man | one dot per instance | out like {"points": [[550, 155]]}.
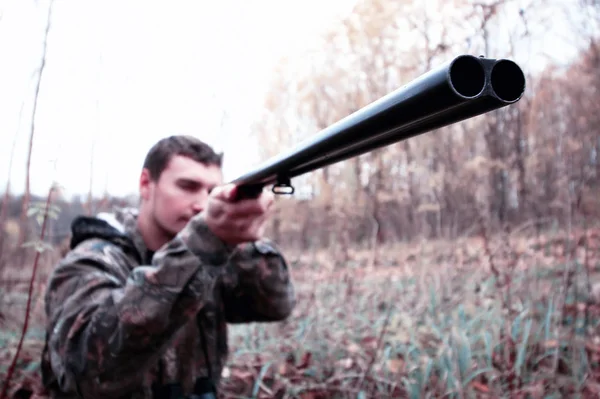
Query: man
{"points": [[138, 308]]}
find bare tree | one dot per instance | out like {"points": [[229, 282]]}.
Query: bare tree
{"points": [[509, 161], [7, 189], [26, 198]]}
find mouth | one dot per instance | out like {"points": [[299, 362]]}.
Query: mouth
{"points": [[185, 220]]}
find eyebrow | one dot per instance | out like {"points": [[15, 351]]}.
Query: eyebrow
{"points": [[188, 180], [195, 182]]}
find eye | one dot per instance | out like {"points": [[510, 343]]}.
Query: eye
{"points": [[187, 185]]}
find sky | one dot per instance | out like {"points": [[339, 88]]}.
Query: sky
{"points": [[121, 75]]}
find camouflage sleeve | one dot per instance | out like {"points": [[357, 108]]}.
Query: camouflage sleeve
{"points": [[107, 324], [257, 285]]}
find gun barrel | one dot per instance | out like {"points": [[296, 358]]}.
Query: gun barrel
{"points": [[463, 88]]}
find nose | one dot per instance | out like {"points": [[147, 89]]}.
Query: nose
{"points": [[200, 201]]}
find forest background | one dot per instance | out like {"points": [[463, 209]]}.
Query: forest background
{"points": [[463, 261]]}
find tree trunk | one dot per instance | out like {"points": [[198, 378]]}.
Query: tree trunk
{"points": [[24, 232], [520, 154], [413, 201]]}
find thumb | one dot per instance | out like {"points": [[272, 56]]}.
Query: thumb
{"points": [[229, 192]]}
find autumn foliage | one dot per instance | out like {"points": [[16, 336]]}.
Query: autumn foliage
{"points": [[461, 263]]}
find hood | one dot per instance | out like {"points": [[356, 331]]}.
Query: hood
{"points": [[118, 228]]}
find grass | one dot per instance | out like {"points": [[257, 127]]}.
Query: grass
{"points": [[445, 329], [469, 319]]}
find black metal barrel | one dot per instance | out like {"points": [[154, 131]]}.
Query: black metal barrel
{"points": [[463, 88]]}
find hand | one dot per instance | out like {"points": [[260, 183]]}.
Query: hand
{"points": [[237, 221]]}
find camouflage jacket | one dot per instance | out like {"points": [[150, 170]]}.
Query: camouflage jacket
{"points": [[123, 322]]}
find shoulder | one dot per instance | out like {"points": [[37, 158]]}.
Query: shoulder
{"points": [[92, 265], [94, 248], [96, 256]]}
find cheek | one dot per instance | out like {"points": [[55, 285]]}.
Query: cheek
{"points": [[172, 202]]}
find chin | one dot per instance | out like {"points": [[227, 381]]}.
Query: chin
{"points": [[180, 225]]}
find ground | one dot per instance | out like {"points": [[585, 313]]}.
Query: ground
{"points": [[471, 318]]}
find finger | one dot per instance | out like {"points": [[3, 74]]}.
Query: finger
{"points": [[231, 192], [216, 208], [257, 222], [255, 210], [220, 202], [225, 192], [246, 208], [250, 226], [259, 228], [241, 226], [267, 199], [260, 232]]}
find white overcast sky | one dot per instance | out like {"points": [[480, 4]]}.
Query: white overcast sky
{"points": [[122, 74]]}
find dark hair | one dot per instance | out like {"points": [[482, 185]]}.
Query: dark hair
{"points": [[161, 153]]}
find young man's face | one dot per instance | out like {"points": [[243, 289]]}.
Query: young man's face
{"points": [[180, 192]]}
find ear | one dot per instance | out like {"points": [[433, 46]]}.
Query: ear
{"points": [[145, 182]]}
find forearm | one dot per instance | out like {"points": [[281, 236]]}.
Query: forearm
{"points": [[258, 285]]}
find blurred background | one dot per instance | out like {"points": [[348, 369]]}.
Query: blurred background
{"points": [[87, 87]]}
